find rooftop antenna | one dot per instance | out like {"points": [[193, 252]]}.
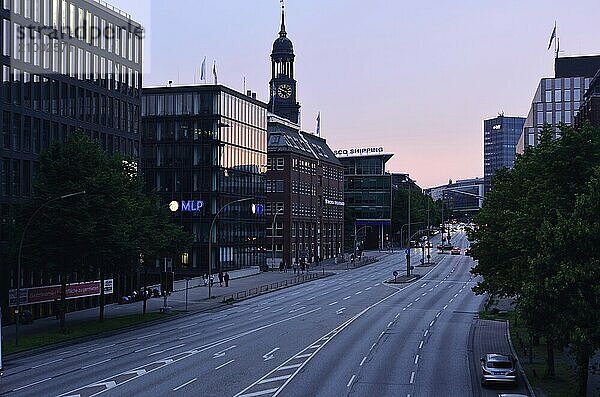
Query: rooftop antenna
{"points": [[170, 83]]}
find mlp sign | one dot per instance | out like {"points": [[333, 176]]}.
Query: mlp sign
{"points": [[358, 151]]}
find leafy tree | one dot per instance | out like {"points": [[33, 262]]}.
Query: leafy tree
{"points": [[516, 243], [103, 231]]}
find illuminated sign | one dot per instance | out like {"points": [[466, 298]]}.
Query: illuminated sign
{"points": [[497, 127], [358, 151], [334, 202], [258, 209], [191, 205]]}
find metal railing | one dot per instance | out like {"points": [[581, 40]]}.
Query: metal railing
{"points": [[262, 289], [113, 8]]}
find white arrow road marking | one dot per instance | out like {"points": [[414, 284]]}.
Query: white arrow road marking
{"points": [[269, 355], [222, 352], [341, 311]]}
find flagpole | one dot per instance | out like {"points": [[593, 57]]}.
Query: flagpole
{"points": [[556, 41]]}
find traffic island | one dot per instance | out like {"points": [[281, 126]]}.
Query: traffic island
{"points": [[403, 279]]}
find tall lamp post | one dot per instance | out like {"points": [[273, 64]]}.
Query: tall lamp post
{"points": [[18, 312], [355, 234], [210, 240], [273, 237]]}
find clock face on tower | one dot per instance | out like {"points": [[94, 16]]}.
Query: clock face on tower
{"points": [[284, 91]]}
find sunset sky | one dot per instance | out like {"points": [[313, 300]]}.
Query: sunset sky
{"points": [[417, 78]]}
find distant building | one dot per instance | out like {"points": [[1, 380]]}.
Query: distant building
{"points": [[305, 196], [368, 197], [463, 197], [500, 137], [590, 107], [557, 100], [205, 146], [403, 181], [305, 181]]}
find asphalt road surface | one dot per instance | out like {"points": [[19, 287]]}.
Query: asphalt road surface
{"points": [[346, 335]]}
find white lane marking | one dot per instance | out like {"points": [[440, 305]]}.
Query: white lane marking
{"points": [[166, 350], [347, 298], [381, 334], [437, 315], [65, 352], [351, 380], [102, 347], [455, 295], [421, 345], [430, 289], [424, 284], [304, 355], [416, 300], [396, 316], [409, 305], [368, 288], [278, 310], [259, 393], [451, 300], [424, 293], [274, 379], [362, 361], [255, 317], [359, 292], [222, 365], [149, 347], [189, 336], [294, 304], [445, 306], [376, 285], [260, 310], [187, 326], [31, 384], [416, 358], [149, 335], [412, 377], [333, 303], [225, 326], [288, 367], [372, 347], [185, 384], [311, 298], [390, 324], [426, 332], [340, 311], [298, 309], [46, 363], [97, 363]]}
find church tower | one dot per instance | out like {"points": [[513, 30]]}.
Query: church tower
{"points": [[282, 86]]}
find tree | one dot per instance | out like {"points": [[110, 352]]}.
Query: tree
{"points": [[108, 228], [516, 238]]}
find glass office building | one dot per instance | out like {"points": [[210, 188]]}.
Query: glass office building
{"points": [[368, 200], [557, 100], [207, 145], [500, 137]]}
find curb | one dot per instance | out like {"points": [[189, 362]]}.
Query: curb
{"points": [[521, 370]]}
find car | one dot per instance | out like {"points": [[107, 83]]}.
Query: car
{"points": [[468, 251], [499, 368], [455, 251]]}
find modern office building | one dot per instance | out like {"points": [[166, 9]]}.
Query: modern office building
{"points": [[590, 107], [463, 198], [500, 137], [368, 199], [557, 100], [404, 181], [305, 185], [205, 146], [66, 65]]}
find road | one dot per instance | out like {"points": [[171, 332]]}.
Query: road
{"points": [[349, 334]]}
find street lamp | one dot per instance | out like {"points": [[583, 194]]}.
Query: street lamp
{"points": [[210, 240], [273, 237], [355, 234], [19, 256]]}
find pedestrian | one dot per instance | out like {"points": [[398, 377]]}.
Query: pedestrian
{"points": [[205, 279], [226, 278], [55, 308], [281, 266], [212, 280], [295, 267], [285, 267], [220, 278]]}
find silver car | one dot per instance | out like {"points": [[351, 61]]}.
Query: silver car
{"points": [[498, 368]]}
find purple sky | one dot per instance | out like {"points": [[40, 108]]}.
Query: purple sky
{"points": [[417, 78]]}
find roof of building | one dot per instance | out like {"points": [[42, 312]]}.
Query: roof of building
{"points": [[287, 137], [579, 66]]}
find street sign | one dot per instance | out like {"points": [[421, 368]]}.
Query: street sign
{"points": [[395, 273], [407, 251]]}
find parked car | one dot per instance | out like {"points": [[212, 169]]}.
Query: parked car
{"points": [[498, 368], [468, 251], [455, 251]]}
